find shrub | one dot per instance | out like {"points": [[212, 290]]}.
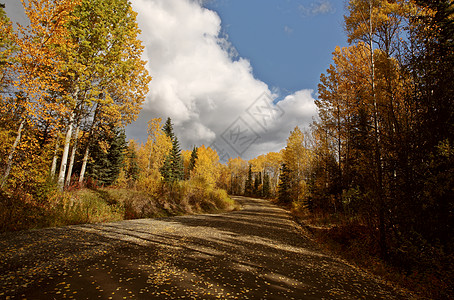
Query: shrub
{"points": [[86, 206]]}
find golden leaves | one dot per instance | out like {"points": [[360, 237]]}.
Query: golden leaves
{"points": [[207, 167], [298, 159]]}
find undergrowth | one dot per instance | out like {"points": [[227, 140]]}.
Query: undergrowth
{"points": [[427, 273], [47, 207]]}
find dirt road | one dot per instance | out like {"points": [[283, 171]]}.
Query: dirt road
{"points": [[255, 253]]}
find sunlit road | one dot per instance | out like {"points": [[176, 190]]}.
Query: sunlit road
{"points": [[255, 253]]}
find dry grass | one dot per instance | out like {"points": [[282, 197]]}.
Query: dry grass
{"points": [[20, 211]]}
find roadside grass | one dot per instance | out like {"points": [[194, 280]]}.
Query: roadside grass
{"points": [[86, 206], [49, 208], [425, 278]]}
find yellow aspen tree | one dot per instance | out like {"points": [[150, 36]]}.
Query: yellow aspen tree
{"points": [[186, 156], [238, 168], [258, 163], [258, 166], [206, 168], [7, 48], [378, 23], [224, 180], [151, 157], [108, 65], [158, 144], [272, 167], [38, 62], [331, 109], [297, 159]]}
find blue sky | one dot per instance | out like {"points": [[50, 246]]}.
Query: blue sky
{"points": [[224, 65], [288, 42]]}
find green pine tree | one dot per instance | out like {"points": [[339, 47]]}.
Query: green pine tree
{"points": [[248, 189], [107, 157], [266, 188], [172, 170], [168, 129], [285, 186], [192, 161]]}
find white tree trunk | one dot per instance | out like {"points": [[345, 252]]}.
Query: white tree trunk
{"points": [[53, 169], [64, 158], [87, 150], [9, 162], [84, 165], [73, 155]]}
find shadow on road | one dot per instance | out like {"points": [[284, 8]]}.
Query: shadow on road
{"points": [[255, 253]]}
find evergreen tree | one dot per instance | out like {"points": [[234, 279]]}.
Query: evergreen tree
{"points": [[172, 170], [285, 186], [132, 171], [248, 189], [257, 181], [168, 129], [192, 161], [107, 157], [266, 188]]}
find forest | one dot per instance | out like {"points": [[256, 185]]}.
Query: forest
{"points": [[373, 175], [71, 81], [378, 162]]}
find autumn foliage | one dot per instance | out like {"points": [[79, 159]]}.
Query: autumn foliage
{"points": [[375, 172], [64, 91]]}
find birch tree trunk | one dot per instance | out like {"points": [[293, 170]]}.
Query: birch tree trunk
{"points": [[87, 149], [64, 158], [9, 162], [71, 160], [377, 150], [53, 169], [84, 164]]}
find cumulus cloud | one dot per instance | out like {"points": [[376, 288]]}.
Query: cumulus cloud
{"points": [[201, 83], [297, 109]]}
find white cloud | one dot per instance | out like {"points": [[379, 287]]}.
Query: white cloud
{"points": [[200, 83], [319, 7], [298, 110]]}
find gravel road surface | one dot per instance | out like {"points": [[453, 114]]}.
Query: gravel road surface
{"points": [[258, 252]]}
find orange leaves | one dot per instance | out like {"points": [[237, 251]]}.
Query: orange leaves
{"points": [[40, 44], [6, 50], [348, 75]]}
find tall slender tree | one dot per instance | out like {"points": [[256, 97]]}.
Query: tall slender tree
{"points": [[39, 64], [266, 189], [105, 71], [249, 188], [285, 185], [192, 162], [172, 170]]}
